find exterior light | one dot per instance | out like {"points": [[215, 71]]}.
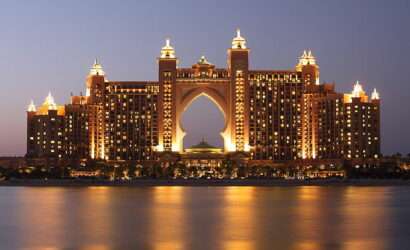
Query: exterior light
{"points": [[238, 42], [167, 51], [96, 69], [31, 107], [375, 95]]}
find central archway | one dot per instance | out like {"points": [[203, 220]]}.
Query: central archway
{"points": [[187, 93], [202, 120]]}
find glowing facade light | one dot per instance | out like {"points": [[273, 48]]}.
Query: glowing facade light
{"points": [[160, 148], [31, 107], [50, 103], [375, 95], [203, 61], [238, 42], [358, 90], [167, 51], [307, 58], [96, 69]]}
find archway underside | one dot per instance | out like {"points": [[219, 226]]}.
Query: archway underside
{"points": [[188, 94]]}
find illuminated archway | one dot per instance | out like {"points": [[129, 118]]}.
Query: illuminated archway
{"points": [[202, 119], [187, 93]]}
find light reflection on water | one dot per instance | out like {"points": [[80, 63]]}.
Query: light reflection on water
{"points": [[180, 218]]}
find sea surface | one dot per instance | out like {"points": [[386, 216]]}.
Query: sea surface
{"points": [[237, 218]]}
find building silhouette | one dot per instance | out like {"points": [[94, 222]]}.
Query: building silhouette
{"points": [[270, 115]]}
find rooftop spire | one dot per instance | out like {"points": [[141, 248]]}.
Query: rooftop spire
{"points": [[167, 51], [375, 95], [49, 102], [358, 90], [307, 58], [31, 107], [203, 60], [238, 42], [96, 69]]}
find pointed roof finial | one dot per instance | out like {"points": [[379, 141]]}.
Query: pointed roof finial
{"points": [[375, 95], [49, 102], [307, 58], [358, 90], [167, 51], [31, 107], [203, 60], [238, 42], [96, 69]]}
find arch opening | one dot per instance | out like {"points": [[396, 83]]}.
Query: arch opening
{"points": [[203, 119]]}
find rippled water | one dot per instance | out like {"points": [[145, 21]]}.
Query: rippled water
{"points": [[305, 218]]}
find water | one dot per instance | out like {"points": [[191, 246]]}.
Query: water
{"points": [[305, 218]]}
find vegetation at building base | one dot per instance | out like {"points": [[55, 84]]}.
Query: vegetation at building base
{"points": [[99, 170]]}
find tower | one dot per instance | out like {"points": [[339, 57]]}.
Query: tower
{"points": [[238, 67], [95, 93], [45, 129], [167, 70], [31, 135], [95, 83], [309, 69], [362, 124]]}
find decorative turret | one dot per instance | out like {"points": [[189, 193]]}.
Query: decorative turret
{"points": [[203, 61], [167, 51], [310, 70], [95, 81], [96, 69], [49, 102], [358, 93], [31, 107], [358, 90], [375, 95], [238, 42], [307, 58], [203, 68], [48, 105]]}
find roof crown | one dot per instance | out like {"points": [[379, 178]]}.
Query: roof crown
{"points": [[31, 107], [167, 51], [238, 42], [96, 69], [307, 58], [375, 95]]}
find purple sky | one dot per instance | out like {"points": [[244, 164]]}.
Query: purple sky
{"points": [[50, 45]]}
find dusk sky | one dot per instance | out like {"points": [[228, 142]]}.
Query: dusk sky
{"points": [[50, 46]]}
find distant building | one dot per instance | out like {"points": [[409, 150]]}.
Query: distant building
{"points": [[362, 128], [203, 155], [322, 122], [270, 115], [45, 127]]}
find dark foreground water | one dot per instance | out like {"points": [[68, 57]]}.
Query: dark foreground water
{"points": [[237, 218]]}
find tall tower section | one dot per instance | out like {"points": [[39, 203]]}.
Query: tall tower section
{"points": [[95, 94], [238, 67], [362, 124], [167, 71], [309, 69], [31, 131]]}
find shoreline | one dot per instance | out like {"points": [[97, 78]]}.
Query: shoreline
{"points": [[203, 183]]}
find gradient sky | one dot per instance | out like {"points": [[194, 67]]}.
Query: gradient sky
{"points": [[50, 45]]}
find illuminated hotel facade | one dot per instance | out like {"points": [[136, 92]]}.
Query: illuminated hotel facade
{"points": [[270, 115]]}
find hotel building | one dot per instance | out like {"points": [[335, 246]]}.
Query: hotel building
{"points": [[270, 115]]}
